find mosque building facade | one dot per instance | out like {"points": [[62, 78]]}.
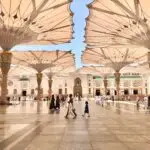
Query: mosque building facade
{"points": [[80, 84]]}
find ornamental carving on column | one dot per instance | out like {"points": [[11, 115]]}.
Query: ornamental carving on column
{"points": [[5, 60], [39, 78], [117, 77]]}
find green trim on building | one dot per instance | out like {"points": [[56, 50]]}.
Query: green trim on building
{"points": [[122, 77]]}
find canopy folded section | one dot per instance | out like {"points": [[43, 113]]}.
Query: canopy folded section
{"points": [[118, 23], [25, 21]]}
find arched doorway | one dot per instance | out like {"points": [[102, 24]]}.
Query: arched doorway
{"points": [[77, 90]]}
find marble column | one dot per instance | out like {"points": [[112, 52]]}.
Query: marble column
{"points": [[50, 81], [39, 76], [117, 80], [5, 60], [105, 84], [148, 58]]}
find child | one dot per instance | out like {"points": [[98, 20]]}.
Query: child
{"points": [[86, 109]]}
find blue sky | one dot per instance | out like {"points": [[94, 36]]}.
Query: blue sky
{"points": [[77, 45]]}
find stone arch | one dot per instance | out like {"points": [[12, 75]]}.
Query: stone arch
{"points": [[77, 90]]}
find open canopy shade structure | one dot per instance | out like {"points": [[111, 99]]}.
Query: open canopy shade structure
{"points": [[18, 70], [118, 23], [23, 21], [34, 22], [116, 58], [97, 70], [41, 60], [136, 69]]}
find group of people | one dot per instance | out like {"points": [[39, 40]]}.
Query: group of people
{"points": [[144, 101], [55, 105]]}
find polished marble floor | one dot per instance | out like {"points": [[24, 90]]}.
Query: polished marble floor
{"points": [[116, 126]]}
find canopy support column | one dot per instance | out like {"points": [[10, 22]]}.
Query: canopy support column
{"points": [[39, 76], [105, 84], [117, 80], [5, 62], [148, 58], [50, 81]]}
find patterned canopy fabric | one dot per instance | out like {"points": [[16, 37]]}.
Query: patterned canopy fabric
{"points": [[116, 58], [96, 70], [118, 23], [41, 60], [35, 22]]}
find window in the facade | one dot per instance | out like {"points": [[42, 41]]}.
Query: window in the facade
{"points": [[15, 91], [60, 91], [97, 92], [89, 90], [32, 91], [135, 91], [65, 90], [126, 91], [89, 84], [65, 84], [108, 92]]}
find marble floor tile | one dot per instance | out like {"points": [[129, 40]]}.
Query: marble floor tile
{"points": [[103, 138], [42, 146], [26, 127], [109, 146], [131, 138], [138, 146], [70, 146], [76, 139], [47, 138]]}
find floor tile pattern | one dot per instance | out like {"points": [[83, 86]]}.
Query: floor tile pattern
{"points": [[115, 126]]}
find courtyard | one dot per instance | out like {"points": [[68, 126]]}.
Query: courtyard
{"points": [[30, 126]]}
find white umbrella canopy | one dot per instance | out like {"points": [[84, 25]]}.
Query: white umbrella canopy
{"points": [[118, 23], [116, 58], [17, 70], [135, 69], [35, 21], [96, 70], [63, 70], [41, 60]]}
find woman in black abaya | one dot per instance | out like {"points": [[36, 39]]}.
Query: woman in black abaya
{"points": [[52, 103]]}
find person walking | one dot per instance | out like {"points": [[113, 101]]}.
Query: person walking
{"points": [[86, 109], [138, 103], [71, 110], [57, 107], [52, 104]]}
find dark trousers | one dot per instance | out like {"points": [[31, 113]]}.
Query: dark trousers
{"points": [[72, 112]]}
